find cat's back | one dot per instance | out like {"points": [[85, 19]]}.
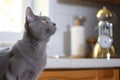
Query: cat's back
{"points": [[5, 54], [4, 58]]}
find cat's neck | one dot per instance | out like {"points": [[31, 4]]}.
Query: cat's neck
{"points": [[30, 40], [27, 36], [31, 47]]}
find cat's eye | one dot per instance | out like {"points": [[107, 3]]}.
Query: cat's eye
{"points": [[44, 21]]}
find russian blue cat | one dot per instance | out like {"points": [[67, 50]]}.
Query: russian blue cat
{"points": [[26, 59]]}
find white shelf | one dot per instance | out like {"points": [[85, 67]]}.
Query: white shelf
{"points": [[66, 63]]}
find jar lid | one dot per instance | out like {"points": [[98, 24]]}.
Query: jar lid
{"points": [[104, 14]]}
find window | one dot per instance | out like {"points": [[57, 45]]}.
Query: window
{"points": [[12, 20], [11, 15]]}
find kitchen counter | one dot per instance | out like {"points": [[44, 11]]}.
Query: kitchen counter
{"points": [[81, 69], [66, 63]]}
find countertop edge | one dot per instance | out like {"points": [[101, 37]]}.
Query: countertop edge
{"points": [[66, 63]]}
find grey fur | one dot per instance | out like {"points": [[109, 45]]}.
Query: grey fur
{"points": [[27, 58]]}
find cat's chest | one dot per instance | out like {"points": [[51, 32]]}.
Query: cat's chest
{"points": [[33, 54], [38, 63], [31, 50]]}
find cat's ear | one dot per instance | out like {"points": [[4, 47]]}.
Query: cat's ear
{"points": [[29, 15]]}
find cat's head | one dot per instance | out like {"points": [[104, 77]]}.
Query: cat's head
{"points": [[39, 27]]}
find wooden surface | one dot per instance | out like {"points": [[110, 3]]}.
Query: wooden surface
{"points": [[92, 74], [107, 1]]}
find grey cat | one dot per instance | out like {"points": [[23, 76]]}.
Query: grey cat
{"points": [[27, 58]]}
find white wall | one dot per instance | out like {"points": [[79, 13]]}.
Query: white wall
{"points": [[62, 12], [41, 6]]}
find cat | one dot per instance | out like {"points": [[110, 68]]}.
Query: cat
{"points": [[26, 59]]}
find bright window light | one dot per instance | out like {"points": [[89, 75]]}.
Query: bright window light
{"points": [[11, 15]]}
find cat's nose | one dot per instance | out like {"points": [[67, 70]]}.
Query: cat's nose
{"points": [[54, 24]]}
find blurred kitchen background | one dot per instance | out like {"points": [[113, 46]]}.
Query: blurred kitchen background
{"points": [[62, 12]]}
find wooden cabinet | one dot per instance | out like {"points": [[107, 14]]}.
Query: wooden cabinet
{"points": [[106, 1], [110, 1], [92, 74], [109, 74]]}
